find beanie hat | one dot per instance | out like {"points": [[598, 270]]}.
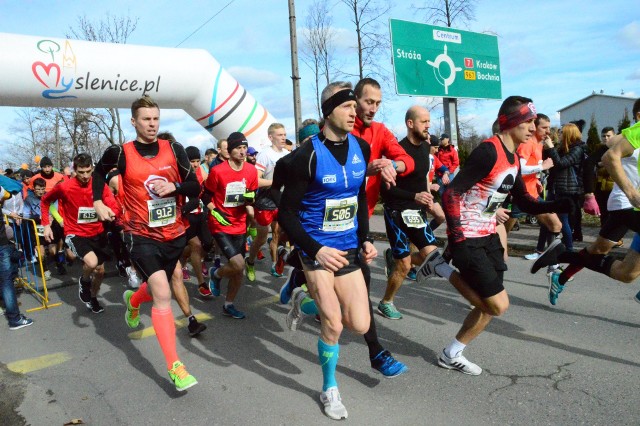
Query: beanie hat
{"points": [[193, 153], [236, 139], [46, 161]]}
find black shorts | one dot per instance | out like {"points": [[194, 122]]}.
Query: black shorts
{"points": [[198, 228], [231, 245], [618, 223], [352, 256], [150, 256], [81, 246], [400, 234], [485, 268]]}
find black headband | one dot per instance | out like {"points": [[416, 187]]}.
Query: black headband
{"points": [[336, 99]]}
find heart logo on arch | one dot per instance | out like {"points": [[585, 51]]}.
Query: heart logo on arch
{"points": [[46, 73]]}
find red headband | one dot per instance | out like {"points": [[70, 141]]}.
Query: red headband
{"points": [[525, 113]]}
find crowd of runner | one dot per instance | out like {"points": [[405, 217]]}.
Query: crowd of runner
{"points": [[156, 207]]}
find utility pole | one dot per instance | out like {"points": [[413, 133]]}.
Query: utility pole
{"points": [[295, 76]]}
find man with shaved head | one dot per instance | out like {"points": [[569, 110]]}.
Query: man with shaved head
{"points": [[405, 210]]}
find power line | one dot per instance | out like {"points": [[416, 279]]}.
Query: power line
{"points": [[206, 22]]}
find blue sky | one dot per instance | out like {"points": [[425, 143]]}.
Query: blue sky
{"points": [[554, 52]]}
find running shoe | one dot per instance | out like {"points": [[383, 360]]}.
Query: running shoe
{"points": [[205, 270], [134, 279], [549, 256], [411, 275], [60, 269], [216, 261], [195, 327], [282, 253], [20, 323], [459, 363], [181, 377], [260, 255], [251, 271], [132, 315], [95, 306], [47, 274], [555, 288], [389, 262], [204, 291], [388, 310], [84, 291], [332, 402], [428, 268], [294, 316], [387, 365], [274, 272], [637, 297], [185, 274], [557, 269], [214, 283], [231, 311], [532, 256], [287, 289]]}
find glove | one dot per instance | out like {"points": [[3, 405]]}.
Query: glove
{"points": [[249, 197], [590, 206], [460, 254], [220, 217], [564, 205]]}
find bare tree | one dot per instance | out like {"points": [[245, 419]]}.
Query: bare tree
{"points": [[317, 50], [110, 29], [372, 40], [448, 12]]}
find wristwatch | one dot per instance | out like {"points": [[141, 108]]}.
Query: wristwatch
{"points": [[177, 184]]}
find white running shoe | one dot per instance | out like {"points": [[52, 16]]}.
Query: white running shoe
{"points": [[459, 363], [294, 317], [134, 279], [428, 268], [532, 256], [333, 406]]}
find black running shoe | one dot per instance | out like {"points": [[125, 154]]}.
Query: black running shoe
{"points": [[95, 307], [196, 328], [60, 268], [549, 256]]}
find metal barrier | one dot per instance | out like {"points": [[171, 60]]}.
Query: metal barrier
{"points": [[30, 264]]}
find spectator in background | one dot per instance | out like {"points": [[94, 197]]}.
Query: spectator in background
{"points": [[8, 271], [567, 176], [448, 155]]}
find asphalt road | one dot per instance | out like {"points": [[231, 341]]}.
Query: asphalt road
{"points": [[576, 363]]}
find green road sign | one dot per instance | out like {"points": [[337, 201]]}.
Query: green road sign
{"points": [[444, 62]]}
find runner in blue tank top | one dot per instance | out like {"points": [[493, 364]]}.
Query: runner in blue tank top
{"points": [[323, 209]]}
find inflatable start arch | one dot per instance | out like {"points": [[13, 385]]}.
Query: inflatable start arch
{"points": [[50, 72]]}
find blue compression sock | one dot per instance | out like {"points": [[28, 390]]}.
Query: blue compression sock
{"points": [[308, 306], [328, 357]]}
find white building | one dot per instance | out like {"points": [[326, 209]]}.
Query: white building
{"points": [[607, 110]]}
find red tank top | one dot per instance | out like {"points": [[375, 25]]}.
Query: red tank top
{"points": [[478, 206], [144, 212]]}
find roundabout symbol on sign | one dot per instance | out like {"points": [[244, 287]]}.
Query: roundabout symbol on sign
{"points": [[446, 82]]}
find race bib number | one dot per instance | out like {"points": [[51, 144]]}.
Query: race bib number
{"points": [[87, 215], [162, 212], [413, 219], [339, 215], [234, 194], [494, 203]]}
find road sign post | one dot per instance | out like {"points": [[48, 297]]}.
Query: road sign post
{"points": [[444, 62]]}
